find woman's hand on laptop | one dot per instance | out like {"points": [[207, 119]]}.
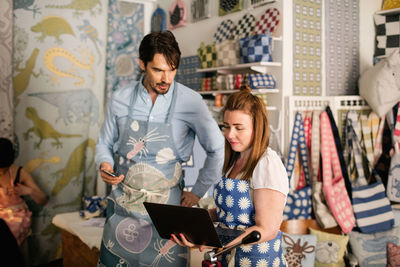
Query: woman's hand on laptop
{"points": [[183, 242]]}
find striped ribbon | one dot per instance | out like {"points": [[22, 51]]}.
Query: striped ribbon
{"points": [[374, 124], [378, 140], [367, 136], [315, 146], [355, 158], [301, 183]]}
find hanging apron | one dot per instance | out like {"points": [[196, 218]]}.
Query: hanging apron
{"points": [[148, 158], [235, 210]]}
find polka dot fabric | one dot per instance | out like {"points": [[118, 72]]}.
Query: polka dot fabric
{"points": [[335, 192], [268, 21], [235, 209], [298, 204], [245, 26], [224, 31]]}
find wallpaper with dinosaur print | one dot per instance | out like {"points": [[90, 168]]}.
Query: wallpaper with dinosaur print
{"points": [[59, 84], [6, 92]]}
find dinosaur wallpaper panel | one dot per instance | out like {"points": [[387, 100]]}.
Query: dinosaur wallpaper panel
{"points": [[59, 83]]}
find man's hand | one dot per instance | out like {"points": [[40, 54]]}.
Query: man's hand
{"points": [[108, 178], [189, 199]]}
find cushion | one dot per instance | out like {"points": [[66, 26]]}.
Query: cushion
{"points": [[390, 4], [330, 248], [299, 250], [393, 255], [370, 249], [387, 34]]}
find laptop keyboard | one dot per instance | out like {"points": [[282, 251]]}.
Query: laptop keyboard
{"points": [[226, 235]]}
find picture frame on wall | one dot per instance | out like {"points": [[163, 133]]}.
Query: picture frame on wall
{"points": [[257, 3], [177, 15], [229, 6], [201, 9]]}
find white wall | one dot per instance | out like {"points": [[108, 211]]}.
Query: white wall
{"points": [[367, 32]]}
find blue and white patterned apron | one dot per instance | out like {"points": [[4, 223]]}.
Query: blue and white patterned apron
{"points": [[148, 158], [235, 210]]}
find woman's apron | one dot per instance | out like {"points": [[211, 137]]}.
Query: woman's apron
{"points": [[235, 210], [15, 212], [148, 158]]}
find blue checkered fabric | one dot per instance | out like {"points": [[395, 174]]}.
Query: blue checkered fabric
{"points": [[261, 81], [255, 48], [187, 74], [224, 31], [245, 26]]}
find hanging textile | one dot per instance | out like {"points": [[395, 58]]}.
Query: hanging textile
{"points": [[58, 89], [6, 90]]}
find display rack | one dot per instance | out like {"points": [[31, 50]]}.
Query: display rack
{"points": [[339, 105]]}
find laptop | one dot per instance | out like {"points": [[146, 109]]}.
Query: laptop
{"points": [[194, 223]]}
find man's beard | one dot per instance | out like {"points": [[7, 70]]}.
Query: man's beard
{"points": [[158, 91]]}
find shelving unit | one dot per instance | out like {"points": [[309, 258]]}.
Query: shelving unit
{"points": [[388, 12], [252, 66], [254, 91]]}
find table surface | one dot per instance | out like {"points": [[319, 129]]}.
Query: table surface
{"points": [[76, 225]]}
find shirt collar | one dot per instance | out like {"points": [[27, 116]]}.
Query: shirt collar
{"points": [[166, 97]]}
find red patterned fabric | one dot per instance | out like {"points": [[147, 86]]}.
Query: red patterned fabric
{"points": [[269, 20]]}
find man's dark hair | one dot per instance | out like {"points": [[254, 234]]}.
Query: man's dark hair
{"points": [[6, 153], [160, 43]]}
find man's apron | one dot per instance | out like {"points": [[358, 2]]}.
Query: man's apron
{"points": [[148, 158], [235, 210]]}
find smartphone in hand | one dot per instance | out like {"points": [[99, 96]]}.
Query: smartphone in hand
{"points": [[110, 173]]}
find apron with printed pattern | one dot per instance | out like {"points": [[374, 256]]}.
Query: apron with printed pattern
{"points": [[235, 210], [148, 158]]}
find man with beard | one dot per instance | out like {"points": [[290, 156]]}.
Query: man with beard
{"points": [[149, 129]]}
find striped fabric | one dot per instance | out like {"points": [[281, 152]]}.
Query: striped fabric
{"points": [[367, 136], [378, 140], [322, 213], [374, 124], [371, 206], [355, 159], [307, 133]]}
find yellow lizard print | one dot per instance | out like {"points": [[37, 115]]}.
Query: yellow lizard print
{"points": [[75, 166], [51, 54], [33, 164]]}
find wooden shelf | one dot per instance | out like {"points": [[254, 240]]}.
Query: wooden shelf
{"points": [[269, 108], [388, 12], [252, 66], [254, 91]]}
